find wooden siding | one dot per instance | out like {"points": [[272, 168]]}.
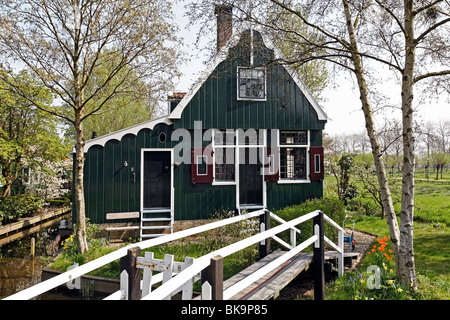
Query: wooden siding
{"points": [[216, 104]]}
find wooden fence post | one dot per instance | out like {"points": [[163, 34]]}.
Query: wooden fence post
{"points": [[264, 245], [214, 276], [319, 258], [128, 263]]}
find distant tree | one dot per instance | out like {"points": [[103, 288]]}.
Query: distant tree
{"points": [[26, 132], [65, 44]]}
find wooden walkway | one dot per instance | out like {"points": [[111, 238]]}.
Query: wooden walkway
{"points": [[269, 286], [27, 226]]}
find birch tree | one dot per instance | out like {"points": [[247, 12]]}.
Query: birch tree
{"points": [[385, 32], [408, 38], [64, 42]]}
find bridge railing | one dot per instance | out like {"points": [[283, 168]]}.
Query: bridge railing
{"points": [[199, 265], [213, 290]]}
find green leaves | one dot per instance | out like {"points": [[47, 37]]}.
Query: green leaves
{"points": [[26, 132]]}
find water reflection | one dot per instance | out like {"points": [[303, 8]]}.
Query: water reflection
{"points": [[17, 274], [18, 270]]}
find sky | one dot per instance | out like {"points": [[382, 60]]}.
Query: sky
{"points": [[341, 99]]}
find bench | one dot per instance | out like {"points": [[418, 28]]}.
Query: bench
{"points": [[122, 216]]}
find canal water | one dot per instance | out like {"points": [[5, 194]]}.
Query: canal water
{"points": [[18, 268]]}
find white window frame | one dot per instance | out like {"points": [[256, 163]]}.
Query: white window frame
{"points": [[307, 146], [239, 98], [224, 147]]}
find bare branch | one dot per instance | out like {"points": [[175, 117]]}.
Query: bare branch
{"points": [[432, 28], [431, 74]]}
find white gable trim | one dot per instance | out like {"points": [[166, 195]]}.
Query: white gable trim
{"points": [[118, 135], [223, 54]]}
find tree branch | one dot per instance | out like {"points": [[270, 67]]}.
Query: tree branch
{"points": [[430, 74], [433, 27]]}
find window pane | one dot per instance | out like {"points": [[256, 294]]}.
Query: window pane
{"points": [[224, 164], [222, 138], [251, 137], [252, 83], [293, 137], [293, 163]]}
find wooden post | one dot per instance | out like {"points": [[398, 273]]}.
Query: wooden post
{"points": [[264, 245], [33, 247], [214, 276], [128, 263], [319, 258]]}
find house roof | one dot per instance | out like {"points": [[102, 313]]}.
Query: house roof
{"points": [[223, 54], [186, 97]]}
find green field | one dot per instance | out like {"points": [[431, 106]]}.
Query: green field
{"points": [[431, 225], [431, 236]]}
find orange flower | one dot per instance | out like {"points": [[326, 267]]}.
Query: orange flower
{"points": [[373, 250], [374, 247], [390, 251], [389, 258], [369, 252], [385, 239]]}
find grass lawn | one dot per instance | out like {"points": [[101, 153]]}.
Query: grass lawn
{"points": [[431, 244], [431, 227]]}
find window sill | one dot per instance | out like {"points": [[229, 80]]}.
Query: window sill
{"points": [[224, 183], [293, 181]]}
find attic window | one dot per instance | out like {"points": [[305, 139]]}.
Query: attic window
{"points": [[251, 83]]}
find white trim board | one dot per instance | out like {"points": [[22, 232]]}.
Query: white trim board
{"points": [[118, 135]]}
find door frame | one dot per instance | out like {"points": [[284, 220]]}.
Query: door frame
{"points": [[264, 183], [172, 189]]}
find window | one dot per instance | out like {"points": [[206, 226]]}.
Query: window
{"points": [[251, 137], [224, 165], [224, 154], [293, 155], [251, 83], [293, 163], [293, 137]]}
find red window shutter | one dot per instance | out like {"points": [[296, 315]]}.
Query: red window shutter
{"points": [[272, 168], [201, 165], [316, 163]]}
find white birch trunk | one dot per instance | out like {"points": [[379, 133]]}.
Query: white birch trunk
{"points": [[386, 197], [405, 261]]}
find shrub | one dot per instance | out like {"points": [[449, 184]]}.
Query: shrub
{"points": [[334, 208], [15, 207]]}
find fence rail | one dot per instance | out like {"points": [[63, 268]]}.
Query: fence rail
{"points": [[188, 272]]}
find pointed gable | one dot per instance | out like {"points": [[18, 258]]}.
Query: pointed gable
{"points": [[214, 98]]}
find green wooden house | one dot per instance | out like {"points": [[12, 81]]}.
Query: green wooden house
{"points": [[247, 135]]}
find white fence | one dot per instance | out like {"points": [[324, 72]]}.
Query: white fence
{"points": [[189, 271]]}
